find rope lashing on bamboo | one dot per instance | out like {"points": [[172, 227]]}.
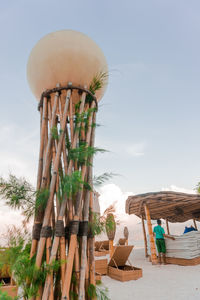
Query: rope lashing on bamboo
{"points": [[60, 229], [90, 233], [73, 227], [46, 232], [47, 93], [83, 228], [67, 232], [36, 231]]}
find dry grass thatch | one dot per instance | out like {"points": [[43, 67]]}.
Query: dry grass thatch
{"points": [[173, 206]]}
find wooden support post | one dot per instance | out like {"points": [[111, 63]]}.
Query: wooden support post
{"points": [[195, 224], [145, 237], [167, 225], [151, 238], [111, 248]]}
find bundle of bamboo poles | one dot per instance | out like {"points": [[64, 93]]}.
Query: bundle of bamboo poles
{"points": [[60, 231]]}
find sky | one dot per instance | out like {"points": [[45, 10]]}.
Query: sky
{"points": [[149, 115]]}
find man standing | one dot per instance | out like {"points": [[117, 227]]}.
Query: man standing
{"points": [[159, 233]]}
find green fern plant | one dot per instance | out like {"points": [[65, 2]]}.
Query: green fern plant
{"points": [[99, 292], [83, 153]]}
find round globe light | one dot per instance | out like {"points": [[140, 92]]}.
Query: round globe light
{"points": [[62, 57]]}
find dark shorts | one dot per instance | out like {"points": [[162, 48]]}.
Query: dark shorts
{"points": [[160, 243]]}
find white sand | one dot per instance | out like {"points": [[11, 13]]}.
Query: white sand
{"points": [[158, 282]]}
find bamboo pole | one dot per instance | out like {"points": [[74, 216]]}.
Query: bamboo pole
{"points": [[145, 237], [167, 225], [195, 224], [86, 278], [111, 248], [41, 114], [91, 247], [53, 183], [151, 238], [71, 118], [40, 165], [86, 217], [48, 249], [77, 267], [63, 258], [45, 134]]}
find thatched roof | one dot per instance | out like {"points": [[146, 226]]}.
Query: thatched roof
{"points": [[173, 206]]}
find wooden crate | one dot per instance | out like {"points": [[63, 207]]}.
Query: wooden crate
{"points": [[10, 289], [101, 253], [117, 268], [101, 245], [182, 261], [101, 266], [124, 273]]}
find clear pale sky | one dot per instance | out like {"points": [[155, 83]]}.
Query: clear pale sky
{"points": [[150, 114]]}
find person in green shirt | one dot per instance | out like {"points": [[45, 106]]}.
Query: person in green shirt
{"points": [[159, 233]]}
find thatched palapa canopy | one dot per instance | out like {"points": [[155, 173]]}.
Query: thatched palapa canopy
{"points": [[172, 206]]}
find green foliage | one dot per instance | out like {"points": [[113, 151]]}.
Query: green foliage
{"points": [[110, 223], [83, 153], [5, 296], [82, 120], [97, 226], [19, 194], [99, 292], [17, 260], [41, 199], [29, 277], [97, 83], [67, 143], [70, 185], [101, 179], [54, 133], [198, 188], [17, 240], [91, 291]]}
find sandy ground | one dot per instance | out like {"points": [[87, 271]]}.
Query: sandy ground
{"points": [[158, 282]]}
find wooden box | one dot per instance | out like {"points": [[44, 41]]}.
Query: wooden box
{"points": [[101, 253], [101, 266], [183, 262], [101, 248], [117, 268]]}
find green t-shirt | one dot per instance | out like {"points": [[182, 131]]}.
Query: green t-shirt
{"points": [[159, 231]]}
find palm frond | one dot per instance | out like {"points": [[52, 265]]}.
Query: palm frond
{"points": [[101, 179]]}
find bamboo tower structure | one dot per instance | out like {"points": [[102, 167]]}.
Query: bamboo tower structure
{"points": [[66, 72]]}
